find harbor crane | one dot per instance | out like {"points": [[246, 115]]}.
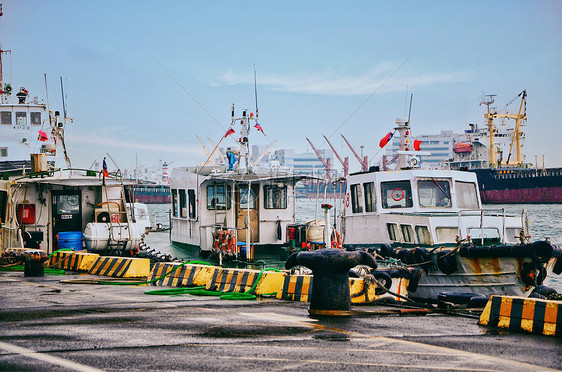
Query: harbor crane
{"points": [[363, 162], [344, 162], [326, 162]]}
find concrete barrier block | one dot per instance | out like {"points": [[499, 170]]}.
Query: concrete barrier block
{"points": [[204, 276], [232, 280], [295, 288], [183, 276], [121, 267], [73, 261], [270, 282], [524, 314]]}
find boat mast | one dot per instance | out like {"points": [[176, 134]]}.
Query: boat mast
{"points": [[488, 100]]}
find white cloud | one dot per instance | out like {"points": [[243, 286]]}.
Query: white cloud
{"points": [[330, 82], [97, 140]]}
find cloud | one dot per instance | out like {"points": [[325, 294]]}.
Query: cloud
{"points": [[330, 82], [96, 140]]}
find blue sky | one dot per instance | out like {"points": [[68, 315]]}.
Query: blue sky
{"points": [[317, 63]]}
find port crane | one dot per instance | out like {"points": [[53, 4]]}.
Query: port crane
{"points": [[326, 162], [344, 162], [363, 162]]}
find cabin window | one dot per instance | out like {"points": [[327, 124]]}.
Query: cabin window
{"points": [[396, 194], [183, 204], [3, 152], [3, 206], [422, 233], [247, 198], [467, 195], [35, 118], [484, 235], [191, 197], [356, 199], [434, 193], [275, 196], [446, 234], [218, 197], [21, 118], [369, 189], [6, 117], [407, 233], [393, 232], [175, 202]]}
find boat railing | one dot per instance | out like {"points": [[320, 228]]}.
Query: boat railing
{"points": [[482, 214]]}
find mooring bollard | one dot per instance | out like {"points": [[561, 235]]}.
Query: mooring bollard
{"points": [[330, 268], [33, 262]]}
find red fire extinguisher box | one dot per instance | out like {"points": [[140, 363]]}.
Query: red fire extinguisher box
{"points": [[25, 214]]}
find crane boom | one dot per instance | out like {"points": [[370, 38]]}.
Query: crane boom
{"points": [[204, 149], [325, 162], [344, 162], [263, 154], [220, 153], [364, 162]]}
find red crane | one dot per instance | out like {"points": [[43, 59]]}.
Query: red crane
{"points": [[344, 162], [326, 162], [364, 162]]}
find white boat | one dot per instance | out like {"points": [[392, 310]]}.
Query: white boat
{"points": [[434, 219], [232, 210]]}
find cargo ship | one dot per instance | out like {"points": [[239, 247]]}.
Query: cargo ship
{"points": [[149, 193], [501, 179]]}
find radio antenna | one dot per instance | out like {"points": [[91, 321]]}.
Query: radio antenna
{"points": [[256, 90]]}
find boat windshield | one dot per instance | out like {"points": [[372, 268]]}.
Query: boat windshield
{"points": [[396, 194], [434, 193], [466, 195]]}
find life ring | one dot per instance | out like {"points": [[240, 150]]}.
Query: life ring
{"points": [[336, 239], [347, 200], [231, 245], [217, 242], [223, 242], [397, 194]]}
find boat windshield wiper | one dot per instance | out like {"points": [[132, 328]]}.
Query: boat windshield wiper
{"points": [[441, 188]]}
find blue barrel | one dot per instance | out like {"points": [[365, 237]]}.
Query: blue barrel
{"points": [[70, 240]]}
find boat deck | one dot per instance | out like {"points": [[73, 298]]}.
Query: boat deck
{"points": [[48, 325]]}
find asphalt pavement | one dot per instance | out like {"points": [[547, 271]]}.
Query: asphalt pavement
{"points": [[47, 325]]}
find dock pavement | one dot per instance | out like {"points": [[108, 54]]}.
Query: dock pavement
{"points": [[48, 325]]}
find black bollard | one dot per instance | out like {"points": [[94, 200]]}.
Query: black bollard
{"points": [[33, 263], [330, 268]]}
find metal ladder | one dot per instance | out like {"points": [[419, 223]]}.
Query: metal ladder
{"points": [[120, 243]]}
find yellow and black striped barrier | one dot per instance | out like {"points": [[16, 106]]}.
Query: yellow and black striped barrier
{"points": [[524, 314], [296, 288], [72, 261], [232, 280], [182, 277], [121, 267]]}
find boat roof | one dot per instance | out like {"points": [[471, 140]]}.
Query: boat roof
{"points": [[251, 177], [73, 181]]}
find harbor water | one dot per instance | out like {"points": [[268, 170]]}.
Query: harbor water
{"points": [[545, 221]]}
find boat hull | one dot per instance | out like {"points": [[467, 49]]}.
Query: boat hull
{"points": [[506, 186]]}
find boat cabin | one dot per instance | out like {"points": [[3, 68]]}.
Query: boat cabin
{"points": [[36, 211], [256, 206], [421, 207]]}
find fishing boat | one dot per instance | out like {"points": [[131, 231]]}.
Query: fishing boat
{"points": [[232, 210], [504, 178], [434, 219], [46, 204]]}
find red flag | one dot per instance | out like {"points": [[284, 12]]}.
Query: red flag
{"points": [[417, 145], [43, 136], [258, 127], [386, 139], [229, 132]]}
